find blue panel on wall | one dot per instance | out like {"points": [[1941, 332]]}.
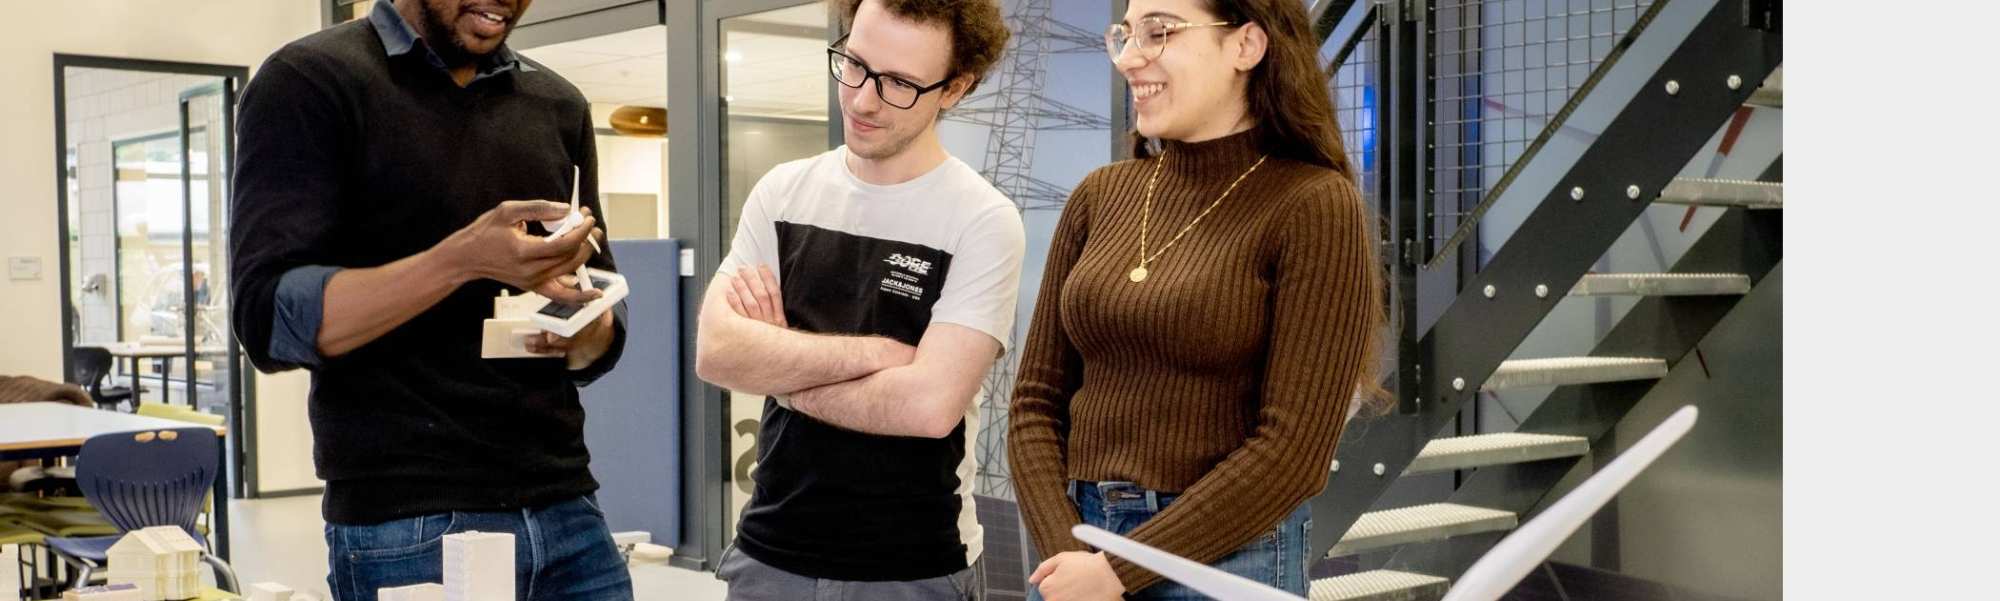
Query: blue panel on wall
{"points": [[632, 421]]}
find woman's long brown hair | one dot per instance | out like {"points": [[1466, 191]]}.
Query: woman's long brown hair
{"points": [[1287, 97]]}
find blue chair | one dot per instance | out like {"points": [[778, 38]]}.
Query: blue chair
{"points": [[141, 480]]}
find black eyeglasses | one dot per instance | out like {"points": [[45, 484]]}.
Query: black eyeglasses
{"points": [[894, 91]]}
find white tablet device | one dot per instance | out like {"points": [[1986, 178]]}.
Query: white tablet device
{"points": [[563, 319]]}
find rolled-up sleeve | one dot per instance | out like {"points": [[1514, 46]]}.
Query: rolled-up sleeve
{"points": [[603, 365], [300, 303]]}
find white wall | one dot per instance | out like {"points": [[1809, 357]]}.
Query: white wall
{"points": [[631, 165], [628, 165], [225, 32]]}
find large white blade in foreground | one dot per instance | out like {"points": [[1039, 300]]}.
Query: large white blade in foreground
{"points": [[1500, 569], [1492, 576]]}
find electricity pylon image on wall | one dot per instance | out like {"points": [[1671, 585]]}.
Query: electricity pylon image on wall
{"points": [[1014, 109]]}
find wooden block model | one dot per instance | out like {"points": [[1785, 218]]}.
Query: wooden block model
{"points": [[162, 561], [109, 592]]}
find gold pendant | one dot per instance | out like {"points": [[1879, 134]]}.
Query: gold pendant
{"points": [[1138, 274]]}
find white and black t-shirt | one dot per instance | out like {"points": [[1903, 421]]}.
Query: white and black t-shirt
{"points": [[862, 259]]}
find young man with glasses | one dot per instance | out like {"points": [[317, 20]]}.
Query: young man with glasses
{"points": [[867, 292]]}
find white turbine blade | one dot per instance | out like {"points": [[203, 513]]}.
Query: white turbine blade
{"points": [[1502, 567], [1202, 578], [575, 187]]}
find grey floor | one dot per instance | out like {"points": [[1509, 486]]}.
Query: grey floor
{"points": [[283, 541]]}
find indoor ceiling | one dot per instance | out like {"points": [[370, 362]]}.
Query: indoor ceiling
{"points": [[627, 68], [776, 64]]}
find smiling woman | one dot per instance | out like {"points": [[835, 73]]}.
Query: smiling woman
{"points": [[1215, 291]]}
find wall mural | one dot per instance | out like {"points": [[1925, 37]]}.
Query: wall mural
{"points": [[1035, 127]]}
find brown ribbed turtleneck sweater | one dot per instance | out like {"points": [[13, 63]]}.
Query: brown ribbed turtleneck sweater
{"points": [[1225, 376]]}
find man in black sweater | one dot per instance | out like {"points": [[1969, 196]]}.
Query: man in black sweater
{"points": [[375, 220]]}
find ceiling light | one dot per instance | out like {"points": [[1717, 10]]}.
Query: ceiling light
{"points": [[640, 121]]}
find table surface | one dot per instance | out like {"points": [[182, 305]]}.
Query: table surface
{"points": [[151, 350], [30, 426]]}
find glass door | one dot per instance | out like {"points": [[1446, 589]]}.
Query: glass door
{"points": [[774, 106], [147, 147], [145, 153], [211, 358]]}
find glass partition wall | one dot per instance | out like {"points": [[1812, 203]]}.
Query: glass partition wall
{"points": [[773, 102], [146, 159], [145, 149]]}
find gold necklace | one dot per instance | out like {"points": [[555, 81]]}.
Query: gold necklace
{"points": [[1145, 218]]}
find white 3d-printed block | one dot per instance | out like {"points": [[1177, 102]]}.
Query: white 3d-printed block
{"points": [[270, 591], [429, 591], [479, 566]]}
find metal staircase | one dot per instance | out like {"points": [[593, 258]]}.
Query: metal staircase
{"points": [[1693, 90]]}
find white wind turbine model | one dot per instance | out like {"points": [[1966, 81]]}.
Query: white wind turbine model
{"points": [[1492, 576]]}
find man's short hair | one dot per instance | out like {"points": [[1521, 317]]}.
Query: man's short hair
{"points": [[978, 32]]}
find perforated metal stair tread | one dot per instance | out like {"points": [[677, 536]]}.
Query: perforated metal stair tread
{"points": [[1771, 93], [1565, 371], [1467, 452], [1421, 523], [1661, 284], [1379, 585], [1768, 97], [1724, 193]]}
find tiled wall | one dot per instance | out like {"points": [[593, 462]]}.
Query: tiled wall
{"points": [[103, 107]]}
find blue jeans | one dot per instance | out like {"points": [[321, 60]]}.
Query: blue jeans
{"points": [[1277, 557], [562, 552]]}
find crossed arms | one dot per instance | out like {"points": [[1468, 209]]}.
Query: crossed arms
{"points": [[868, 384]]}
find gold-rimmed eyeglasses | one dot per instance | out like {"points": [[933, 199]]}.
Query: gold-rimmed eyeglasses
{"points": [[1148, 36]]}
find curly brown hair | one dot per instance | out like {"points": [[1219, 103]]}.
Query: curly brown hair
{"points": [[978, 33]]}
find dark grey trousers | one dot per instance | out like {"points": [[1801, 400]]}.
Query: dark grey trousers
{"points": [[752, 580]]}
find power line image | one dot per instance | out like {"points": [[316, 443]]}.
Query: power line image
{"points": [[1016, 106]]}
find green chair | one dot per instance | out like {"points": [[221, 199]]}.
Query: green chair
{"points": [[15, 535], [11, 534], [28, 503], [179, 413], [65, 522]]}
